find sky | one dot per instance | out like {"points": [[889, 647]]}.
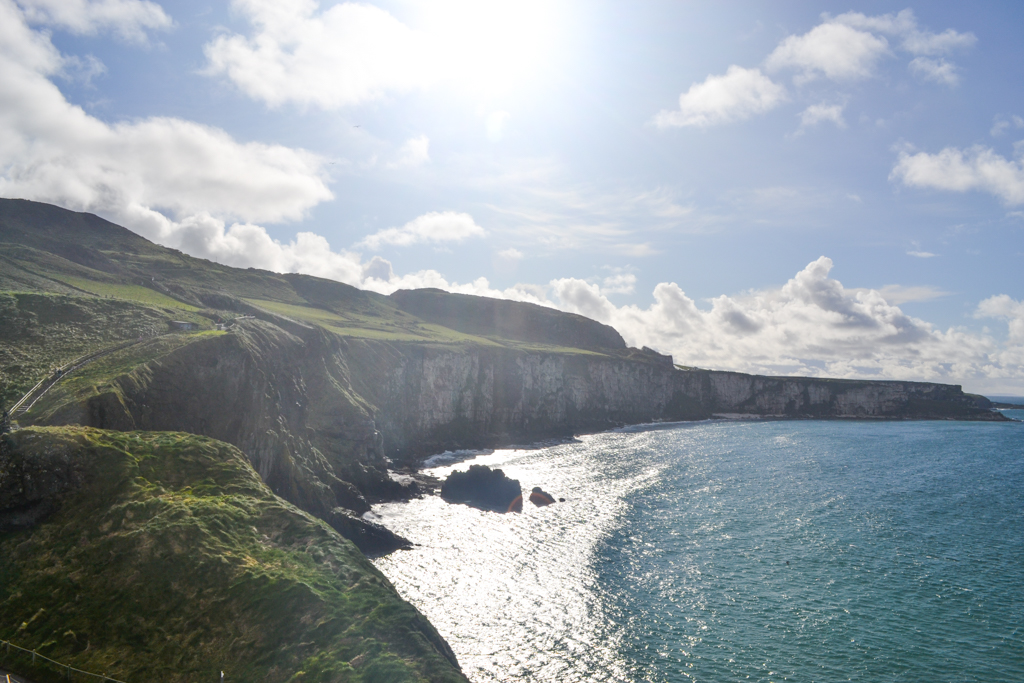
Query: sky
{"points": [[797, 188]]}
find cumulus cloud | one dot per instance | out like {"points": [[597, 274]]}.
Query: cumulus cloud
{"points": [[816, 113], [129, 19], [845, 48], [812, 325], [345, 55], [445, 226], [737, 95], [976, 168], [1002, 306], [54, 151], [915, 40], [415, 152], [179, 183], [834, 50]]}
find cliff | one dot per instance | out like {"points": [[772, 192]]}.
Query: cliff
{"points": [[320, 384], [431, 399], [163, 557]]}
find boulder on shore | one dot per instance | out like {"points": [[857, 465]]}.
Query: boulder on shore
{"points": [[483, 488]]}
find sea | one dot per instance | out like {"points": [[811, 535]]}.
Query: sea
{"points": [[734, 551]]}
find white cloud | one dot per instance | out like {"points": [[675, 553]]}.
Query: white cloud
{"points": [[844, 48], [849, 47], [921, 254], [130, 19], [977, 168], [836, 51], [735, 96], [345, 55], [415, 152], [173, 181], [937, 70], [810, 326], [620, 283], [54, 151], [816, 113], [446, 226], [1002, 306]]}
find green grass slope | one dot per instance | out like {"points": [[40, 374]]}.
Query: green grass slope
{"points": [[46, 249], [41, 331], [167, 559]]}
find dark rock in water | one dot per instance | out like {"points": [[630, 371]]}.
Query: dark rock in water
{"points": [[373, 539], [484, 488], [540, 498]]}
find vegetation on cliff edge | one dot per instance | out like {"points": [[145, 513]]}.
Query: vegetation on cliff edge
{"points": [[173, 561]]}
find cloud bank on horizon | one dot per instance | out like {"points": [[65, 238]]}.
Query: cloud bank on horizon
{"points": [[198, 186]]}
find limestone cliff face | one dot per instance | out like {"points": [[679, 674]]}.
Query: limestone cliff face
{"points": [[432, 398], [733, 392]]}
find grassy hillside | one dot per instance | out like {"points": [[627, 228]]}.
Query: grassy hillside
{"points": [[41, 331], [168, 559], [71, 283]]}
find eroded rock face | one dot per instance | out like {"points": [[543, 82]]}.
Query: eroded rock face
{"points": [[284, 400], [432, 399], [484, 488], [35, 476]]}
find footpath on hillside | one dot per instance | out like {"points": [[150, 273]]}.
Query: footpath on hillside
{"points": [[9, 419]]}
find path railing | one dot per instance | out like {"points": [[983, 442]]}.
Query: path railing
{"points": [[39, 390], [67, 669]]}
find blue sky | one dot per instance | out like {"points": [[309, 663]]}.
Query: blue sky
{"points": [[790, 188]]}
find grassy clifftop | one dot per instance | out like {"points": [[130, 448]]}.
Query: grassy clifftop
{"points": [[166, 558]]}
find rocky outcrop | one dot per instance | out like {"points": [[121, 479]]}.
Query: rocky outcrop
{"points": [[484, 488], [34, 480], [284, 400]]}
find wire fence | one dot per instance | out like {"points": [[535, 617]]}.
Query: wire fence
{"points": [[66, 669]]}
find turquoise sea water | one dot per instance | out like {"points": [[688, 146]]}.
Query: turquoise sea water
{"points": [[725, 551]]}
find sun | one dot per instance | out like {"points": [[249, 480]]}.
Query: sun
{"points": [[492, 46]]}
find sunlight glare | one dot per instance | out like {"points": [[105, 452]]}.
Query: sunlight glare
{"points": [[493, 46]]}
